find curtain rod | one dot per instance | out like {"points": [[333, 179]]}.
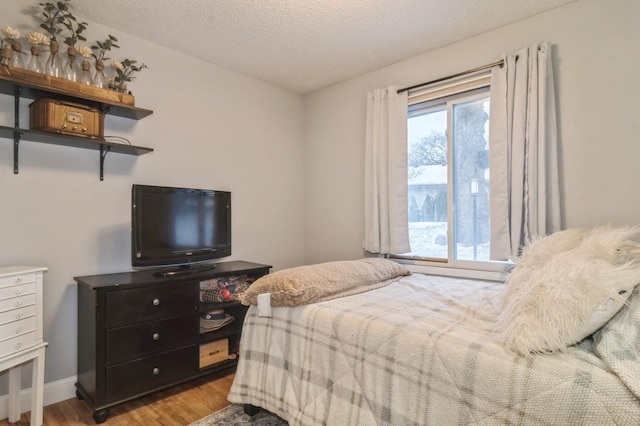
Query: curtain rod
{"points": [[438, 80]]}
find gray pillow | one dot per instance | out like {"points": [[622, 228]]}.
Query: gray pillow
{"points": [[323, 281]]}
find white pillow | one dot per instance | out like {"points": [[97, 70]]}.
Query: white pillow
{"points": [[566, 286], [537, 253]]}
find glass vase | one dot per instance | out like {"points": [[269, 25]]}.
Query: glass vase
{"points": [[99, 79], [85, 73], [6, 55], [53, 67], [16, 59], [71, 71], [35, 63]]}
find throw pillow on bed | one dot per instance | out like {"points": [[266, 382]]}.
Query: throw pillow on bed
{"points": [[566, 286], [618, 343], [324, 281]]}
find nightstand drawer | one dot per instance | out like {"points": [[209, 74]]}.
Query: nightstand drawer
{"points": [[16, 344], [18, 279], [136, 341], [17, 302], [17, 290], [126, 307], [17, 328], [147, 374]]}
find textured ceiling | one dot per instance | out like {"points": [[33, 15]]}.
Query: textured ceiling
{"points": [[304, 45]]}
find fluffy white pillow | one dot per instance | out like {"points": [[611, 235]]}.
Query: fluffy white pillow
{"points": [[566, 286], [536, 254]]}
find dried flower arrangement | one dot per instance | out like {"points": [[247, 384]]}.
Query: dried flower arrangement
{"points": [[124, 71], [57, 22], [13, 46]]}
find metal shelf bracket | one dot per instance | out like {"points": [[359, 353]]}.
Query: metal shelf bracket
{"points": [[16, 149], [16, 132], [104, 150]]}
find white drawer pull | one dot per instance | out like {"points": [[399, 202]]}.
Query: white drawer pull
{"points": [[19, 303], [156, 302], [18, 280], [18, 345], [19, 315], [18, 330], [156, 371], [18, 292], [156, 336]]}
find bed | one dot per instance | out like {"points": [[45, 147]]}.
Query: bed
{"points": [[420, 350]]}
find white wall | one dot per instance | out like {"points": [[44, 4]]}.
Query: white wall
{"points": [[211, 128], [595, 45]]}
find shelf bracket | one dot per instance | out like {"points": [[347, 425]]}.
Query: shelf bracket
{"points": [[104, 150], [16, 149], [17, 135]]}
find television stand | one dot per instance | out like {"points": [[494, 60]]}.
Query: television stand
{"points": [[139, 334], [183, 270]]}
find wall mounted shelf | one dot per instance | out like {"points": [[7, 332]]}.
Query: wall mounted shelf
{"points": [[26, 84]]}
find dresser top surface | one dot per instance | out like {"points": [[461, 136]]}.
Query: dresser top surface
{"points": [[15, 270], [237, 267]]}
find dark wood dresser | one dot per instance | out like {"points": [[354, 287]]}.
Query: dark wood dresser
{"points": [[139, 332]]}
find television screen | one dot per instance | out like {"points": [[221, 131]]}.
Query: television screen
{"points": [[179, 226]]}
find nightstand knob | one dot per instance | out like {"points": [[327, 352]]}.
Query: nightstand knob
{"points": [[156, 371], [156, 336], [156, 302], [18, 280]]}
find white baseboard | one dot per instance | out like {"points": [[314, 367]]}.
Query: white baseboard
{"points": [[54, 392]]}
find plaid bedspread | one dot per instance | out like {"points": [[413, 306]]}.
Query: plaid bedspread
{"points": [[417, 352]]}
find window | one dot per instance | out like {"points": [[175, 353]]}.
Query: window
{"points": [[448, 173]]}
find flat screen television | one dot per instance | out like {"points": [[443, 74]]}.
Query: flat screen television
{"points": [[181, 227]]}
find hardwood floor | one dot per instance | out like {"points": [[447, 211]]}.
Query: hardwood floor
{"points": [[177, 406]]}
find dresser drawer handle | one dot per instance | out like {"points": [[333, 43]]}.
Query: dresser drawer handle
{"points": [[18, 330], [156, 336], [156, 302], [18, 345], [156, 371], [19, 303], [19, 315], [18, 280], [19, 291]]}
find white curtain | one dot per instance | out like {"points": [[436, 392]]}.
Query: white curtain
{"points": [[386, 207], [524, 192]]}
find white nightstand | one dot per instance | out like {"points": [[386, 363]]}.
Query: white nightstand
{"points": [[21, 335]]}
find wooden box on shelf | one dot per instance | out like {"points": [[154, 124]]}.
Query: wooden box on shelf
{"points": [[51, 115], [214, 352]]}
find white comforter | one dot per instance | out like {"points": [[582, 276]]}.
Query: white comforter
{"points": [[417, 352]]}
